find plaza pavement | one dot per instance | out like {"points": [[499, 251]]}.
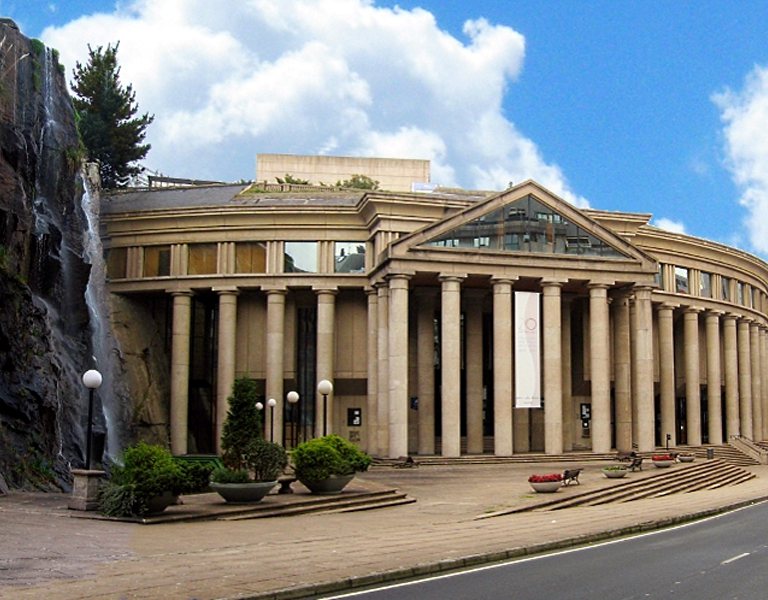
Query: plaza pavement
{"points": [[46, 551]]}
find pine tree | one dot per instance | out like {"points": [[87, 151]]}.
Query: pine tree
{"points": [[106, 111]]}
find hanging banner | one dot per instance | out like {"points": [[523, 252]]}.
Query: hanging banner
{"points": [[527, 350]]}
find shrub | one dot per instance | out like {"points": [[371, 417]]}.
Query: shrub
{"points": [[196, 476], [318, 459], [147, 471], [224, 475], [615, 468]]}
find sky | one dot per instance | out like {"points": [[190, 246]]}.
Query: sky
{"points": [[656, 107]]}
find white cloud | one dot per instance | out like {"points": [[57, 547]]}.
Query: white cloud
{"points": [[745, 117], [669, 225], [230, 79]]}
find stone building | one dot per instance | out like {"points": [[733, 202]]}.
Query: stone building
{"points": [[449, 322]]}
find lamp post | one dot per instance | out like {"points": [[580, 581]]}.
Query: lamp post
{"points": [[271, 403], [259, 407], [325, 387], [293, 398], [92, 380]]}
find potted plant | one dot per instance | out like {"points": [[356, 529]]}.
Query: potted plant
{"points": [[148, 480], [686, 457], [327, 464], [251, 463], [615, 471], [551, 482], [662, 461]]}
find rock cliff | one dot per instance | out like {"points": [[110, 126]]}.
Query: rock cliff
{"points": [[44, 320]]}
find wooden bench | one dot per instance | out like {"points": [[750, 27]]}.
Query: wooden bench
{"points": [[636, 464], [571, 476]]}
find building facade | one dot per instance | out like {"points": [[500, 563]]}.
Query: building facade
{"points": [[407, 302]]}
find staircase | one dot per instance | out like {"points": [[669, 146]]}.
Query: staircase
{"points": [[708, 475]]}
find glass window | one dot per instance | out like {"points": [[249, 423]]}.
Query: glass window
{"points": [[349, 257], [157, 261], [705, 285], [681, 280], [526, 225], [755, 298], [300, 257], [250, 257], [660, 276], [725, 288], [202, 259], [739, 293], [116, 262]]}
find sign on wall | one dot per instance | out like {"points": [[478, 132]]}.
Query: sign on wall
{"points": [[527, 350]]}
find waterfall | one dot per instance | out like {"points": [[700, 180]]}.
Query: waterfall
{"points": [[106, 350]]}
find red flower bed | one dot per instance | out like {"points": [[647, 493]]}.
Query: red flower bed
{"points": [[662, 457], [545, 478]]}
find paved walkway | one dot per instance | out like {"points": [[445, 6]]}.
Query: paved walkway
{"points": [[46, 553]]}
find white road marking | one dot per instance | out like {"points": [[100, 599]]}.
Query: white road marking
{"points": [[735, 558]]}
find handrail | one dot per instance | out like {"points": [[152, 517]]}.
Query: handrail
{"points": [[748, 447]]}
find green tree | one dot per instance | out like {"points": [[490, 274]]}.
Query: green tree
{"points": [[361, 182], [111, 132]]}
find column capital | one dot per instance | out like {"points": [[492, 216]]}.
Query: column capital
{"points": [[224, 290], [330, 291], [730, 316], [458, 277], [175, 293], [508, 280], [370, 291], [666, 306], [688, 310], [275, 290], [597, 285], [553, 283], [713, 312]]}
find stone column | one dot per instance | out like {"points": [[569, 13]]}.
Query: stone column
{"points": [[731, 372], [622, 370], [764, 376], [450, 364], [370, 420], [757, 387], [599, 349], [382, 438], [425, 341], [568, 412], [398, 365], [182, 317], [745, 378], [326, 349], [642, 344], [553, 368], [667, 372], [692, 376], [473, 326], [502, 367], [275, 363], [225, 368], [714, 410]]}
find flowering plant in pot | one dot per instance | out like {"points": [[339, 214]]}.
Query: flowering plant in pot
{"points": [[251, 463], [615, 471], [662, 460], [327, 464], [547, 483]]}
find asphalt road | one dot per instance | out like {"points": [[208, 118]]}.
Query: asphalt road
{"points": [[721, 558]]}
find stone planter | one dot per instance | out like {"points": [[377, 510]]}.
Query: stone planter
{"points": [[545, 487], [253, 491], [333, 485], [159, 503], [615, 473], [663, 464], [686, 458]]}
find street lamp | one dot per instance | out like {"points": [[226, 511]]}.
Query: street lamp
{"points": [[92, 380], [272, 403], [293, 398], [325, 387]]}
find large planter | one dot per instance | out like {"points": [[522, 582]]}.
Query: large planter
{"points": [[333, 485], [663, 464], [686, 458], [615, 473], [158, 504], [253, 491], [545, 487]]}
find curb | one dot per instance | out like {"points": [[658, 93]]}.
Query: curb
{"points": [[359, 582]]}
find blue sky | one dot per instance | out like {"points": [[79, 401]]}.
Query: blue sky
{"points": [[652, 107]]}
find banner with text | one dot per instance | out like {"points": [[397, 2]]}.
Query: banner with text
{"points": [[527, 350]]}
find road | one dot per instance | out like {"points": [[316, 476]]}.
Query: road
{"points": [[720, 558]]}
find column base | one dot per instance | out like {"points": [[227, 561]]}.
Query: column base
{"points": [[85, 489]]}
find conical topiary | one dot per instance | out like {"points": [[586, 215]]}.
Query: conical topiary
{"points": [[242, 425]]}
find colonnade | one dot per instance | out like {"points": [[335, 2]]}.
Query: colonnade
{"points": [[626, 351]]}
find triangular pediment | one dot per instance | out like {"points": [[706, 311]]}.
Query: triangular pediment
{"points": [[526, 219]]}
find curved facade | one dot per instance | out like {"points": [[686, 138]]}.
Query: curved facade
{"points": [[410, 305]]}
